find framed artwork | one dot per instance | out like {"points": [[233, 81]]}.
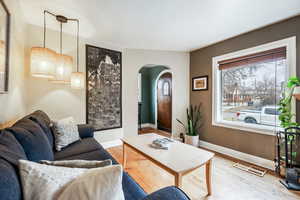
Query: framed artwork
{"points": [[4, 46], [200, 83], [104, 88]]}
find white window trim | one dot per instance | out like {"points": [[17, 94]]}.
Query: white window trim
{"points": [[289, 43]]}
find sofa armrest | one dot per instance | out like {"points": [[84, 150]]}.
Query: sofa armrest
{"points": [[168, 193], [85, 131]]}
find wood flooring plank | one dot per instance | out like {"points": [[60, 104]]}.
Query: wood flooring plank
{"points": [[228, 183]]}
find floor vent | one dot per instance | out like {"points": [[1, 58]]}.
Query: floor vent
{"points": [[251, 169]]}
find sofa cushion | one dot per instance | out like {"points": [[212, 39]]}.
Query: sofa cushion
{"points": [[44, 121], [96, 184], [88, 164], [33, 140], [92, 155], [10, 185], [132, 191], [10, 149], [43, 116], [79, 147], [45, 182]]}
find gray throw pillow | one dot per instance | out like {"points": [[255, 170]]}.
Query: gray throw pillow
{"points": [[65, 132], [78, 163], [46, 182]]}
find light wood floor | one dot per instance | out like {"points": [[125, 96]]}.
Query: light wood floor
{"points": [[152, 130], [228, 183]]}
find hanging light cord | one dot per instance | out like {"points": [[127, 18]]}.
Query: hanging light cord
{"points": [[77, 45], [45, 24], [77, 38], [45, 28], [61, 37]]}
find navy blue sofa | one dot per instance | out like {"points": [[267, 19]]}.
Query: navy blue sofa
{"points": [[31, 139]]}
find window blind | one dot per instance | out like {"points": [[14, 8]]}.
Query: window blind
{"points": [[264, 56]]}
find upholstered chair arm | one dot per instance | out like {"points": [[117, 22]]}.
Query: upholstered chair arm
{"points": [[168, 193], [85, 131]]}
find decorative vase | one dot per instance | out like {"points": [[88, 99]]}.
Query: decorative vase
{"points": [[192, 140]]}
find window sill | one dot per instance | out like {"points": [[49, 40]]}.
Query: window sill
{"points": [[265, 130]]}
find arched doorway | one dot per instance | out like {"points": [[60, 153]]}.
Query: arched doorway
{"points": [[148, 77], [164, 102]]}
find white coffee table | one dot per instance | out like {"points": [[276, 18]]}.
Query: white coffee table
{"points": [[179, 160]]}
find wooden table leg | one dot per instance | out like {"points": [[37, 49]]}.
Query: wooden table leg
{"points": [[208, 176], [178, 180], [124, 155]]}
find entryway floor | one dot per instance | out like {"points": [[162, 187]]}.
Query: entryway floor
{"points": [[153, 130]]}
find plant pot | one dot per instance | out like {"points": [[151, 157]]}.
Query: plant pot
{"points": [[192, 140], [297, 92]]}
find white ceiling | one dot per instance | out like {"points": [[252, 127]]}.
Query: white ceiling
{"points": [[180, 25]]}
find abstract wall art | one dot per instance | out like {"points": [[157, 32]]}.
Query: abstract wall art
{"points": [[104, 88]]}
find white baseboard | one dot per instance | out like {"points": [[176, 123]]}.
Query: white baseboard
{"points": [[148, 125], [239, 155], [113, 143]]}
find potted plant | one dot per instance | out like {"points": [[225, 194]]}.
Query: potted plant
{"points": [[193, 124], [287, 118], [285, 105], [295, 83]]}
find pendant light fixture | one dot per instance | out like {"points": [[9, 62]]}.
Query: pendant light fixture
{"points": [[43, 60], [64, 63], [77, 78], [57, 68]]}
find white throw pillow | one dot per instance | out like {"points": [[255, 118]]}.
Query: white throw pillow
{"points": [[46, 182], [65, 132], [95, 184]]}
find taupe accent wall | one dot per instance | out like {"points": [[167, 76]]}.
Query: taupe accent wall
{"points": [[201, 64]]}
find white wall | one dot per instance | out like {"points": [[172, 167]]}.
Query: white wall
{"points": [[58, 100], [13, 104], [61, 101], [133, 60]]}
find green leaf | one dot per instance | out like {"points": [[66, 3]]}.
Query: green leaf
{"points": [[285, 107]]}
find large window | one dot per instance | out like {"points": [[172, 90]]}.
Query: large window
{"points": [[248, 86]]}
